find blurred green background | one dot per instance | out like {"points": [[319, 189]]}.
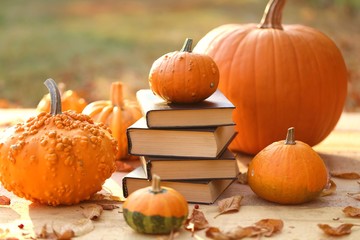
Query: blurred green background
{"points": [[89, 44]]}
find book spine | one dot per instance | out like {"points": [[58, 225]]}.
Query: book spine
{"points": [[128, 141], [124, 188], [148, 170]]}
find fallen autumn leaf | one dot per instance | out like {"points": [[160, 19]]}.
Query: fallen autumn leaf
{"points": [[230, 204], [341, 230], [352, 211]]}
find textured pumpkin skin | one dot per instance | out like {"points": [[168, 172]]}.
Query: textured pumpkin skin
{"points": [[294, 76], [118, 114], [70, 100], [61, 159], [287, 174], [155, 213], [184, 77]]}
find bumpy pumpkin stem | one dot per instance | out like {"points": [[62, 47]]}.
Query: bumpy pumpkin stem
{"points": [[155, 187], [290, 137], [273, 14], [116, 94], [187, 47], [55, 97]]}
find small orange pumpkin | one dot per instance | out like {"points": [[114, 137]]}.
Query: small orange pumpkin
{"points": [[58, 157], [183, 76], [70, 100], [287, 172], [118, 114]]}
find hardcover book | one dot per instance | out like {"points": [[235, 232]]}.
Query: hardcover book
{"points": [[216, 110], [195, 191], [191, 168], [180, 142]]}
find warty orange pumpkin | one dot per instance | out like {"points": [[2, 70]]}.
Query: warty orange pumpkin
{"points": [[58, 157], [117, 113], [183, 76], [288, 172], [278, 76]]}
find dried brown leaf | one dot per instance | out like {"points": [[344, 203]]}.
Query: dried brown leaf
{"points": [[352, 211], [341, 230], [236, 233], [67, 235], [345, 175], [270, 225], [356, 196], [230, 204], [79, 227], [92, 212], [330, 189], [242, 178], [43, 233], [105, 197], [196, 221], [215, 233], [108, 206], [4, 200]]}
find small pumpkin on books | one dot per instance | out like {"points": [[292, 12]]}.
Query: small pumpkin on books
{"points": [[183, 76], [155, 209], [288, 172], [117, 113], [58, 157], [70, 100]]}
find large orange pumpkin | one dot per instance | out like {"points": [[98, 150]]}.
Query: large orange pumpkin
{"points": [[117, 113], [278, 76]]}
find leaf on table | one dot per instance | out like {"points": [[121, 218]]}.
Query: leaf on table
{"points": [[231, 204], [67, 235], [351, 211], [105, 197], [270, 225], [345, 175], [356, 196], [79, 227], [4, 200], [264, 227], [330, 189], [92, 211], [108, 206], [196, 221], [341, 230], [235, 233], [242, 178]]}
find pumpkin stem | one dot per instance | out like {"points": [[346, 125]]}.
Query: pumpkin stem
{"points": [[155, 184], [187, 47], [55, 97], [273, 14], [116, 94], [290, 137]]}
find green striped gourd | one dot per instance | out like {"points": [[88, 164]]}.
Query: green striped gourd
{"points": [[155, 209]]}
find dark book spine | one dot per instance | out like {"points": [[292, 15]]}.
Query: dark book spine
{"points": [[124, 188], [148, 170]]}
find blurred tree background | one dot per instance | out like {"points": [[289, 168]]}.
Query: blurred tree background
{"points": [[89, 44]]}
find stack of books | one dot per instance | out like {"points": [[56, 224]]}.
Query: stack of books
{"points": [[185, 144]]}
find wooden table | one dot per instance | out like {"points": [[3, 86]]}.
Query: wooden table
{"points": [[340, 151]]}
